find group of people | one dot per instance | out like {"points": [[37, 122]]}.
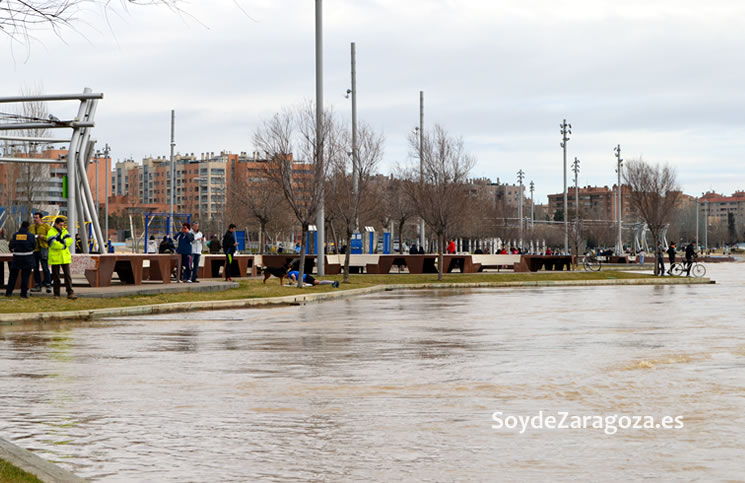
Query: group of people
{"points": [[690, 257], [37, 247], [189, 244]]}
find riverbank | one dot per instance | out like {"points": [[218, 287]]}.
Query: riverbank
{"points": [[253, 292], [18, 465]]}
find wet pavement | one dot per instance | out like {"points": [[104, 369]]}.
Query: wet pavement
{"points": [[392, 386]]}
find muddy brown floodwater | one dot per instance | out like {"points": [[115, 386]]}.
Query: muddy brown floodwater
{"points": [[394, 386]]}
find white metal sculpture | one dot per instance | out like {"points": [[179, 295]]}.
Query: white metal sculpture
{"points": [[80, 203]]}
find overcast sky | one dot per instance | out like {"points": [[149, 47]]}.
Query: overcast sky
{"points": [[662, 78]]}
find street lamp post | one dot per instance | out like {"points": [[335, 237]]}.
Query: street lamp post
{"points": [[619, 207], [320, 137], [421, 161], [107, 164], [355, 154], [566, 130], [532, 215], [575, 168], [697, 222], [520, 177]]}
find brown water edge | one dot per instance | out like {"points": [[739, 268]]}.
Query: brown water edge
{"points": [[391, 386]]}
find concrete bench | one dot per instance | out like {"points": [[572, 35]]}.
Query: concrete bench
{"points": [[496, 261]]}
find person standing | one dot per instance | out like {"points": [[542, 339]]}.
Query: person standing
{"points": [[659, 259], [690, 256], [41, 255], [183, 248], [196, 250], [214, 245], [59, 257], [229, 246], [451, 247], [22, 244], [671, 257]]}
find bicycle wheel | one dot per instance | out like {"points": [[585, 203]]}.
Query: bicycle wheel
{"points": [[698, 270], [592, 265], [678, 269]]}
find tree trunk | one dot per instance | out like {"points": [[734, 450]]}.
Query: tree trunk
{"points": [[441, 257], [400, 236]]}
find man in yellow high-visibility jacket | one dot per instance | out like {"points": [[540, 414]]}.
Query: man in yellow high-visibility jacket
{"points": [[41, 255], [59, 256]]}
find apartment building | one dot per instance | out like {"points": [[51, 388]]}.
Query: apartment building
{"points": [[718, 207], [595, 202]]}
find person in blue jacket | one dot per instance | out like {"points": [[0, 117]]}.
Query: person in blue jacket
{"points": [[183, 248], [310, 279], [22, 244]]}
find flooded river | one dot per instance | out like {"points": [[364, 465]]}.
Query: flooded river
{"points": [[397, 386]]}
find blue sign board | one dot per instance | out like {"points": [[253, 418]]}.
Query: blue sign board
{"points": [[356, 244]]}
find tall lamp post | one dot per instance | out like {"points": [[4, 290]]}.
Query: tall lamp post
{"points": [[566, 130], [355, 154], [421, 161], [107, 164], [320, 136], [532, 216], [520, 177], [698, 225], [575, 168], [619, 207]]}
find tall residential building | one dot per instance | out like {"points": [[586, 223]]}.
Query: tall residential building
{"points": [[595, 202], [718, 207]]}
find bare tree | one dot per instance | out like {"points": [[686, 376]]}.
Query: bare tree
{"points": [[258, 200], [293, 132], [396, 206], [20, 18], [343, 202], [654, 195], [439, 192]]}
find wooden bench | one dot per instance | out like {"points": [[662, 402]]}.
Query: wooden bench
{"points": [[243, 266], [534, 263]]}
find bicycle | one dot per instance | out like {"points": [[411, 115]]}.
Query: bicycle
{"points": [[697, 269], [591, 263]]}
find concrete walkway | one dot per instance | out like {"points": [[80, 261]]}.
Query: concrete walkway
{"points": [[147, 288], [301, 299], [39, 467]]}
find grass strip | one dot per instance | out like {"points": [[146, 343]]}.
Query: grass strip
{"points": [[254, 288], [12, 474]]}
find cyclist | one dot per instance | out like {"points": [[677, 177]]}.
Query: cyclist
{"points": [[690, 257]]}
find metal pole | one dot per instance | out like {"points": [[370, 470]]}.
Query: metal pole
{"points": [[619, 208], [697, 222], [706, 224], [566, 129], [107, 164], [520, 176], [422, 241], [532, 215], [355, 154], [173, 171], [321, 219], [98, 198], [575, 168]]}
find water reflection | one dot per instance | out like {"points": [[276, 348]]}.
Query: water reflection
{"points": [[395, 386]]}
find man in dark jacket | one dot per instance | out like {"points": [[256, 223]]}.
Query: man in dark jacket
{"points": [[22, 244], [228, 246], [215, 246], [671, 257], [690, 256], [184, 239]]}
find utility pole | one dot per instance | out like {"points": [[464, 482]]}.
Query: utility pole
{"points": [[575, 168], [706, 224], [98, 197], [107, 163], [619, 207], [421, 161], [520, 177], [566, 130], [355, 153], [697, 222], [171, 222], [532, 215], [321, 218]]}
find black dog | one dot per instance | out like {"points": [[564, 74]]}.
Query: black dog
{"points": [[279, 272]]}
